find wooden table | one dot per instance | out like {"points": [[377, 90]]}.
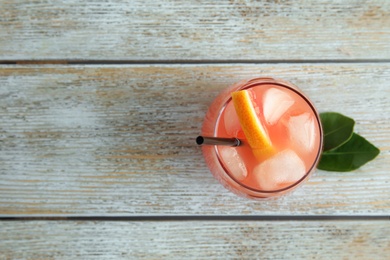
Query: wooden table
{"points": [[101, 102]]}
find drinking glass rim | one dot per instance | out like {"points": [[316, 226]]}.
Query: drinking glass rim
{"points": [[278, 82]]}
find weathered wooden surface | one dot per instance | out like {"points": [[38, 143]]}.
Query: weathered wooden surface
{"points": [[196, 30], [119, 140], [195, 240]]}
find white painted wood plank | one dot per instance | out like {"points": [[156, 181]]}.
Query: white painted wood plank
{"points": [[195, 240], [176, 30], [119, 140]]}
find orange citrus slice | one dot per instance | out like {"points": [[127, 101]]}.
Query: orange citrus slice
{"points": [[255, 133]]}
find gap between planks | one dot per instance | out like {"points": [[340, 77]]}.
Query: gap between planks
{"points": [[199, 218], [178, 62]]}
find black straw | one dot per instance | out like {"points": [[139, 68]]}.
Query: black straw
{"points": [[204, 140]]}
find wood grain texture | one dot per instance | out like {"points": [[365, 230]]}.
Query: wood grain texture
{"points": [[195, 240], [195, 30], [119, 140]]}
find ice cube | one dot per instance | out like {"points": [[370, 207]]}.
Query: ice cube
{"points": [[232, 123], [280, 171], [234, 162], [276, 103], [302, 131]]}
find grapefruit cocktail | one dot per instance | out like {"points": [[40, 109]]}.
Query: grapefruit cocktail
{"points": [[280, 137]]}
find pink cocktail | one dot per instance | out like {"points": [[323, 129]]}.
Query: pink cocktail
{"points": [[290, 122]]}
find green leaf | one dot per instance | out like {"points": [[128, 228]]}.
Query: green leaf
{"points": [[351, 155], [337, 129]]}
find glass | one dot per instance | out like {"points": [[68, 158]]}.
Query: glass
{"points": [[293, 126]]}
